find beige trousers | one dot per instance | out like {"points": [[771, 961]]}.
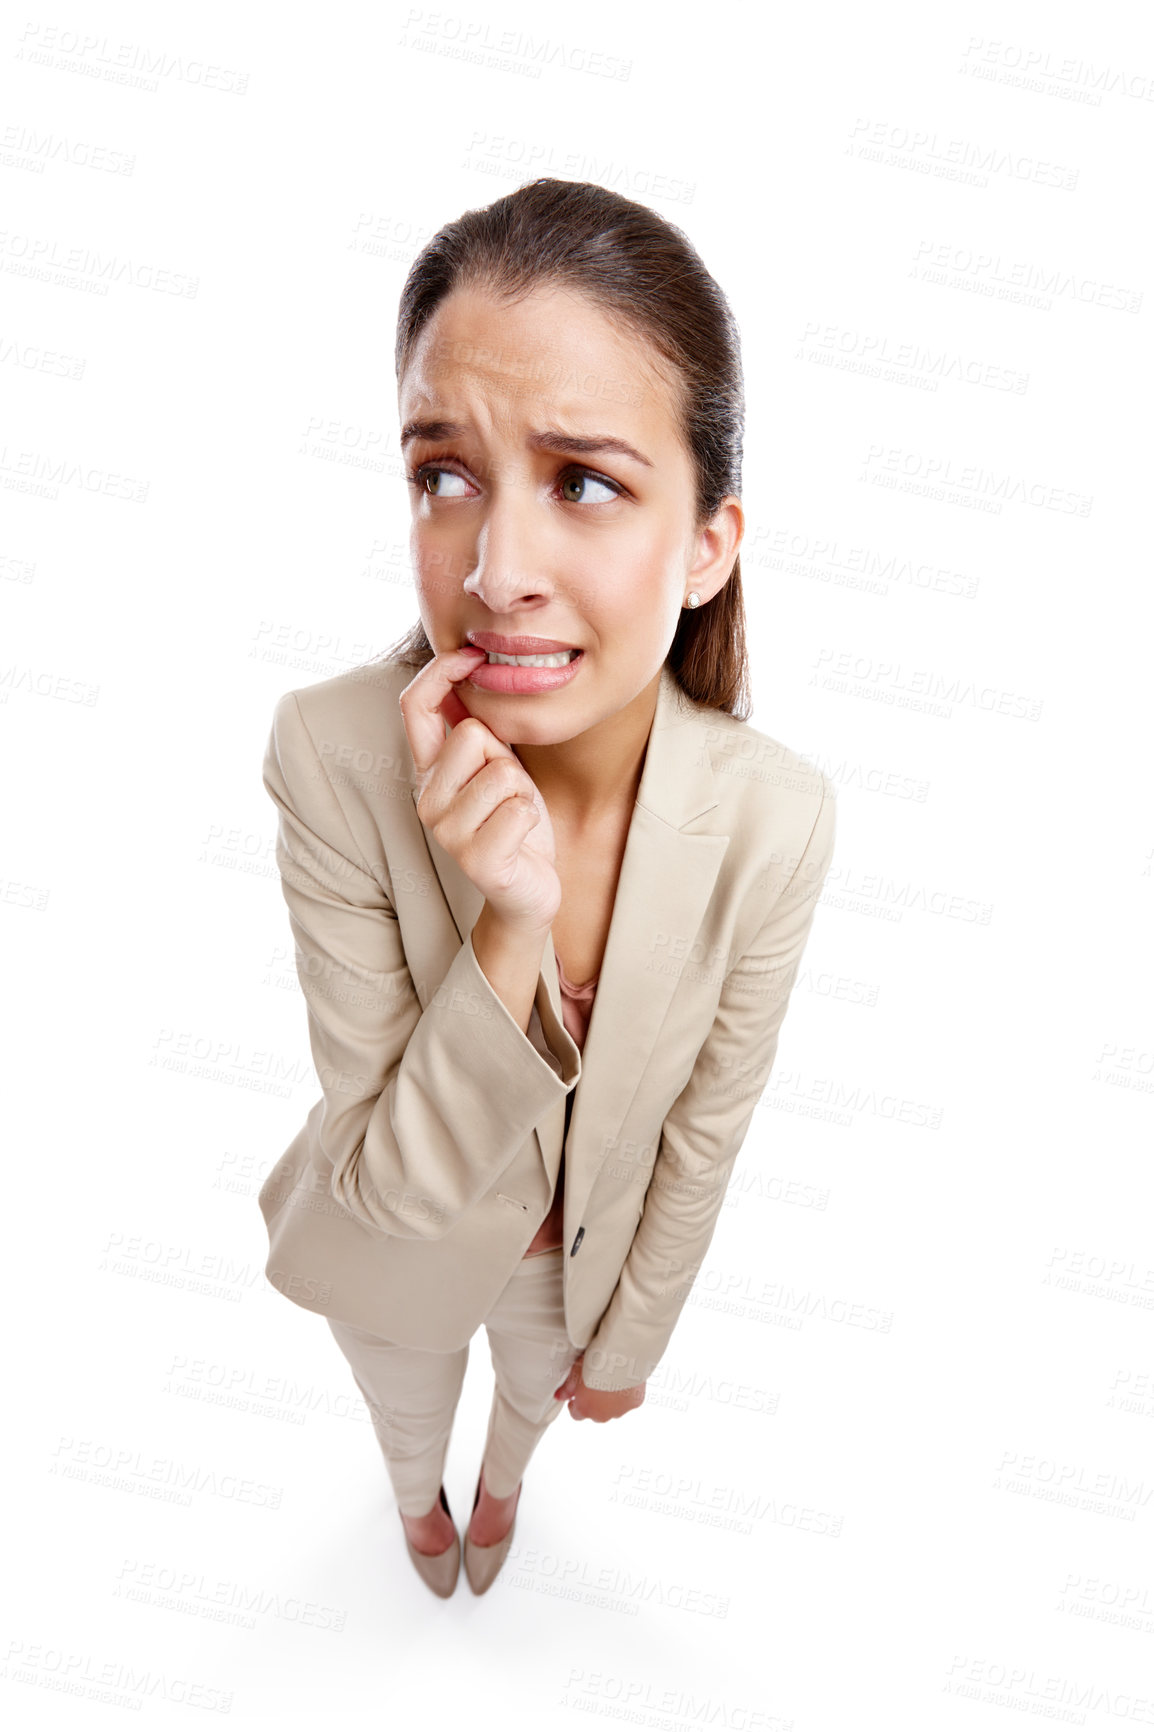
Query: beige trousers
{"points": [[412, 1393]]}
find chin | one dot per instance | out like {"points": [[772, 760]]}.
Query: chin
{"points": [[518, 729], [527, 730]]}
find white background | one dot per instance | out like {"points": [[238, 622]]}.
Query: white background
{"points": [[918, 1490]]}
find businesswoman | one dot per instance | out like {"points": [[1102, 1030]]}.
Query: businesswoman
{"points": [[549, 888]]}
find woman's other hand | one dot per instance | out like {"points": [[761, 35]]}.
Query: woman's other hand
{"points": [[598, 1404], [478, 799]]}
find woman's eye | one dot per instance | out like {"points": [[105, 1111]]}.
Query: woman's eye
{"points": [[438, 482], [582, 480]]}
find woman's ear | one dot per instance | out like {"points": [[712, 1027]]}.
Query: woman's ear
{"points": [[716, 549]]}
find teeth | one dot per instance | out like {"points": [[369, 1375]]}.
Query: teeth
{"points": [[560, 660]]}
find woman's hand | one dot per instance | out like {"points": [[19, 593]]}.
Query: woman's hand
{"points": [[478, 799], [598, 1404]]}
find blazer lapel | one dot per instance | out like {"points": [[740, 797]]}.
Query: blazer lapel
{"points": [[667, 877]]}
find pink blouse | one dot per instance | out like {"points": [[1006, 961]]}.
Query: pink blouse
{"points": [[576, 1004], [576, 1009]]}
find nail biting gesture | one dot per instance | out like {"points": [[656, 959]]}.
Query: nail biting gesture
{"points": [[477, 798]]}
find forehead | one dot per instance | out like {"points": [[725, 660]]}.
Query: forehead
{"points": [[551, 353]]}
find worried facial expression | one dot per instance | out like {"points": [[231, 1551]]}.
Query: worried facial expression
{"points": [[552, 498]]}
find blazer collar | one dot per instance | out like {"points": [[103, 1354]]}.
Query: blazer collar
{"points": [[666, 879]]}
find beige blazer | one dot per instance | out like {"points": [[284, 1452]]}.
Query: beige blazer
{"points": [[406, 1200]]}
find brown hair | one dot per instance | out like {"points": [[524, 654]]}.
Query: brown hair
{"points": [[645, 275]]}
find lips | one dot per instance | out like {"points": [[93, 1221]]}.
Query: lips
{"points": [[517, 679], [517, 646]]}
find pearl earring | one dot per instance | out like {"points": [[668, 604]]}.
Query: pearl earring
{"points": [[694, 599]]}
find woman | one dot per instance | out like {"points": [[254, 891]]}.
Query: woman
{"points": [[550, 894]]}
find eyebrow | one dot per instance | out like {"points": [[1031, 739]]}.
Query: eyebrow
{"points": [[547, 439]]}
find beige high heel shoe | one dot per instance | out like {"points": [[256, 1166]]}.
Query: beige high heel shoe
{"points": [[439, 1570], [482, 1563]]}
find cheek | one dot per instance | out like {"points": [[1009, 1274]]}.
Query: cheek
{"points": [[627, 581], [648, 571], [438, 570], [639, 558]]}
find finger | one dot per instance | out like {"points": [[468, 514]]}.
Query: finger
{"points": [[453, 710], [463, 755], [424, 698], [571, 1381], [470, 798], [490, 853], [504, 831]]}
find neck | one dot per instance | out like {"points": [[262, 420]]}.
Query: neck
{"points": [[584, 780]]}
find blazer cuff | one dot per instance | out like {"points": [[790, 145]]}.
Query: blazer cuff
{"points": [[557, 1048], [547, 1037], [611, 1370], [535, 1034]]}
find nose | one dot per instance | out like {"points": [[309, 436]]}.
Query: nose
{"points": [[509, 575]]}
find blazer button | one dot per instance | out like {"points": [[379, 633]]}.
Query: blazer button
{"points": [[577, 1241]]}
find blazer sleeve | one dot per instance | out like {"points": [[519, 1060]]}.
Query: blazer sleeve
{"points": [[705, 1128], [412, 1130]]}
